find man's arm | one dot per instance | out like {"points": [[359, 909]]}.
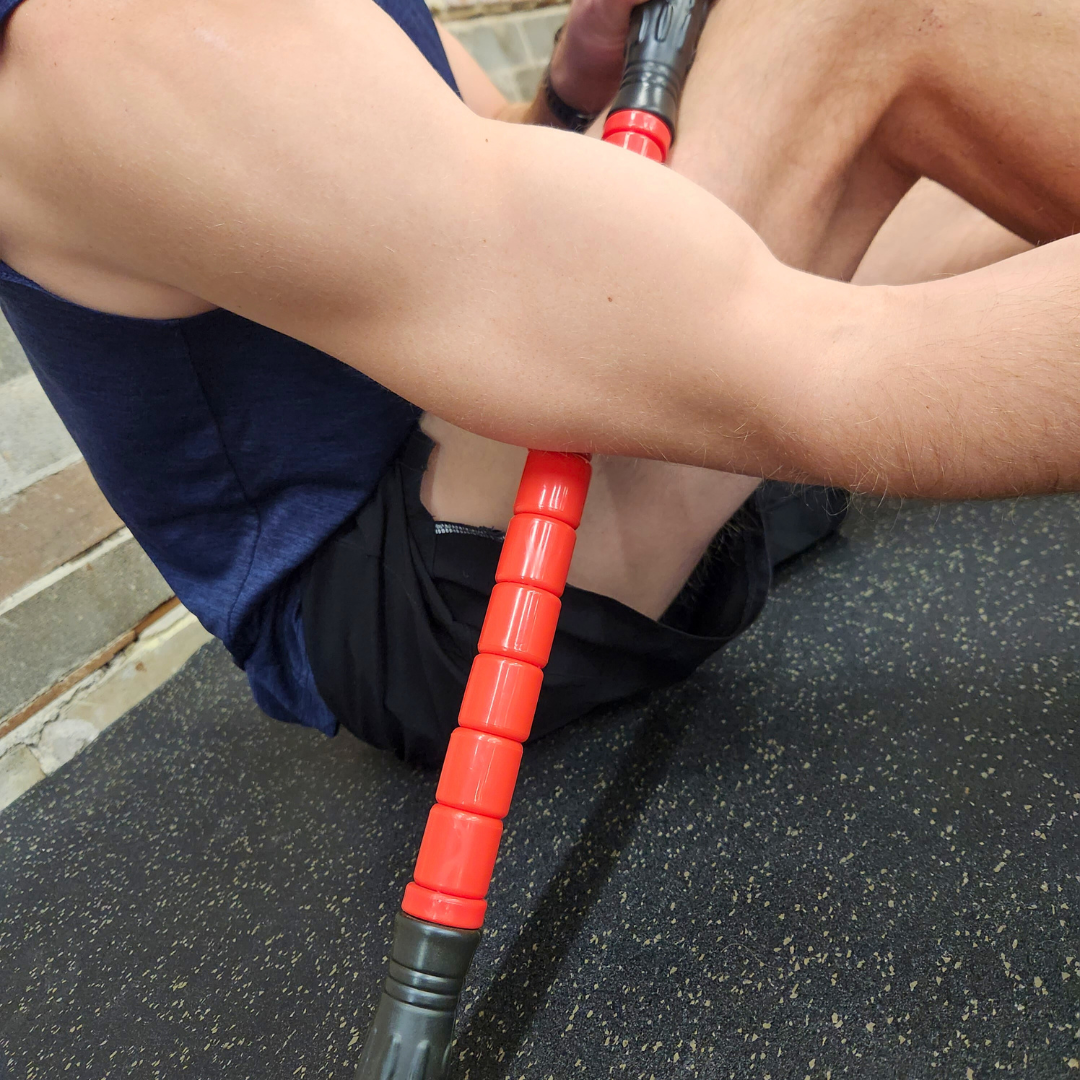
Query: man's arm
{"points": [[973, 385], [304, 167]]}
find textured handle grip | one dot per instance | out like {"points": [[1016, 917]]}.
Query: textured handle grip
{"points": [[410, 1037], [659, 51]]}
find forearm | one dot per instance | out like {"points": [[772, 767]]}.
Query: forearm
{"points": [[585, 67], [973, 389]]}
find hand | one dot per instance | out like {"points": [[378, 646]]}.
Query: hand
{"points": [[588, 59]]}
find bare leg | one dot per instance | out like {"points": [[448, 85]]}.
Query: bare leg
{"points": [[778, 120], [813, 120], [646, 523], [933, 233]]}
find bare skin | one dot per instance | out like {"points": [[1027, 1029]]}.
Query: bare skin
{"points": [[648, 522], [932, 234], [235, 156], [343, 211], [980, 96]]}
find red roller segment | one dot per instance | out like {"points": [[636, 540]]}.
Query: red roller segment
{"points": [[537, 551], [640, 132], [638, 144], [501, 696], [458, 852], [520, 623], [479, 773], [437, 907], [461, 842], [554, 485]]}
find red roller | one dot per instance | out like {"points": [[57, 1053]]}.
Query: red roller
{"points": [[537, 551], [479, 772], [520, 623], [554, 485], [453, 869], [435, 907], [501, 696], [639, 131], [458, 852], [444, 906], [462, 837]]}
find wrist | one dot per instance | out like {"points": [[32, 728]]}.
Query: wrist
{"points": [[558, 111], [583, 74], [587, 62], [560, 76]]}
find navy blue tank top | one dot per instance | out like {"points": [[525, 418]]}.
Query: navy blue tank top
{"points": [[230, 451]]}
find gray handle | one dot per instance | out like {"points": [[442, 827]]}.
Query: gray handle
{"points": [[659, 51]]}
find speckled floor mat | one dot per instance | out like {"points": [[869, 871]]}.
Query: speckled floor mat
{"points": [[847, 847]]}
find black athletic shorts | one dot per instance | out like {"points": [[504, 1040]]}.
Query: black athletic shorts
{"points": [[394, 603]]}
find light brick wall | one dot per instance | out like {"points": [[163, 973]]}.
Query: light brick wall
{"points": [[63, 597], [512, 47]]}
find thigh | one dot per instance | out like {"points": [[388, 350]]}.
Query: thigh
{"points": [[932, 234], [646, 523], [777, 120], [813, 120]]}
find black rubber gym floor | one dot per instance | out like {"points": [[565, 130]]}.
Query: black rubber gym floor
{"points": [[846, 847]]}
